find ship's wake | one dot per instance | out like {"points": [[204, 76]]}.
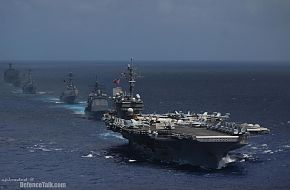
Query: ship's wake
{"points": [[77, 108], [226, 160], [44, 92], [17, 91], [50, 147], [109, 135]]}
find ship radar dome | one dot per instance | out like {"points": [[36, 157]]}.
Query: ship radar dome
{"points": [[130, 110]]}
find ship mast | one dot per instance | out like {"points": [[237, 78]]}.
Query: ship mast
{"points": [[131, 78], [70, 79], [96, 87], [29, 76]]}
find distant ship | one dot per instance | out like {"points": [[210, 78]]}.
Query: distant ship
{"points": [[97, 103], [196, 139], [70, 93], [12, 76], [29, 86]]}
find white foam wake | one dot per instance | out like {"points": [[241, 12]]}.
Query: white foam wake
{"points": [[88, 156], [110, 135], [226, 160]]}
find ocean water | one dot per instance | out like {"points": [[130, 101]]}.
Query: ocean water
{"points": [[44, 140]]}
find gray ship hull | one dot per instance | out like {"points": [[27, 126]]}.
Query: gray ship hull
{"points": [[12, 76], [29, 90], [97, 115], [14, 81], [68, 99], [182, 151]]}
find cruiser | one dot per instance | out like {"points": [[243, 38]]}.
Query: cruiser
{"points": [[97, 103], [29, 87], [70, 92]]}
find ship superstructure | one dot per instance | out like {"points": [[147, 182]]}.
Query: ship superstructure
{"points": [[126, 104]]}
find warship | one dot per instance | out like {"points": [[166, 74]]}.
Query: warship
{"points": [[29, 86], [97, 103], [197, 139], [12, 76], [70, 92]]}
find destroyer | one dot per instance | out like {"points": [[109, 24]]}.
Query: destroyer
{"points": [[70, 92], [12, 76], [29, 87], [97, 103], [196, 139]]}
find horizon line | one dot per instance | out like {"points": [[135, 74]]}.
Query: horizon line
{"points": [[145, 60]]}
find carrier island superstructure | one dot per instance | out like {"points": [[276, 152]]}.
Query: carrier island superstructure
{"points": [[195, 139]]}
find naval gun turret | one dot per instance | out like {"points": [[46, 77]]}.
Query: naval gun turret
{"points": [[97, 103], [29, 86], [12, 76], [70, 92]]}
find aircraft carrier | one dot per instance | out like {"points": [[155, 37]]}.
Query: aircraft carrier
{"points": [[196, 139]]}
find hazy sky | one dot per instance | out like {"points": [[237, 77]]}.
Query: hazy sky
{"points": [[214, 30]]}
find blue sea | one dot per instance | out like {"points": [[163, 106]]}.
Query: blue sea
{"points": [[45, 140]]}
